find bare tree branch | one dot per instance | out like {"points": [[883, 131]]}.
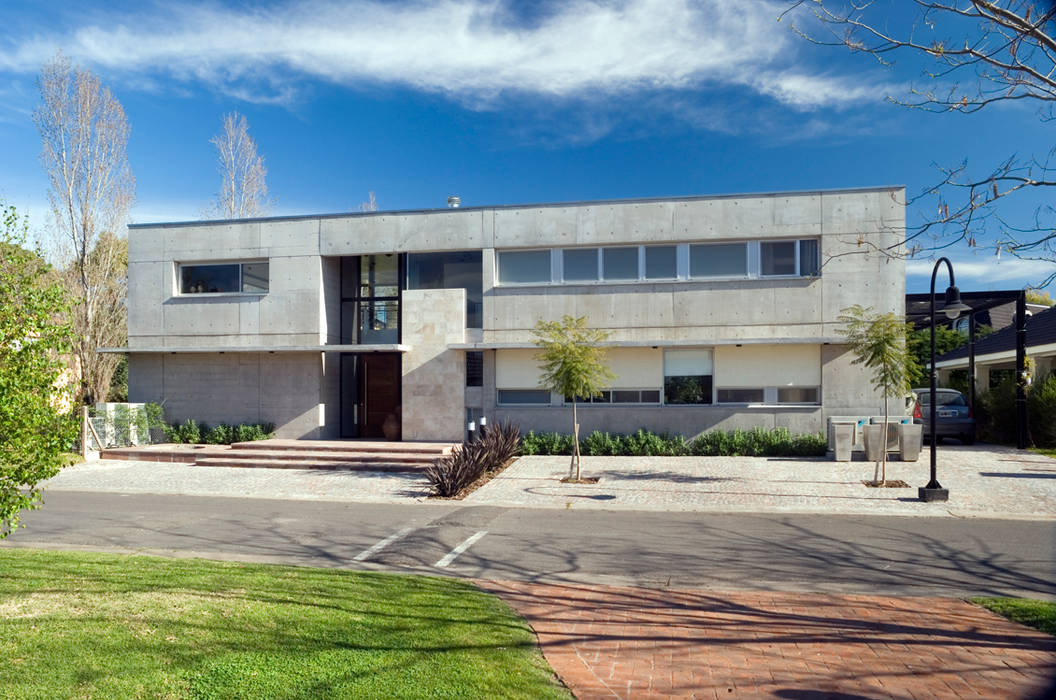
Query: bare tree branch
{"points": [[243, 190]]}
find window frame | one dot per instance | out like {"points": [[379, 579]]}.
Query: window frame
{"points": [[181, 265], [499, 400]]}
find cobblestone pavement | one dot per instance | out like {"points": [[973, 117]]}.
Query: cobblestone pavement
{"points": [[984, 481], [608, 642]]}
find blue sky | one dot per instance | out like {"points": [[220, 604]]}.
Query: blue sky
{"points": [[499, 103]]}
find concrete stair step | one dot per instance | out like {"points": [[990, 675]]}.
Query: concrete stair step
{"points": [[333, 446], [332, 465], [333, 456]]}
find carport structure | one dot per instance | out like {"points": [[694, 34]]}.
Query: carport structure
{"points": [[918, 313]]}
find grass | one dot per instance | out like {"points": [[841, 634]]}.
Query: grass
{"points": [[105, 626], [1047, 451], [1039, 614]]}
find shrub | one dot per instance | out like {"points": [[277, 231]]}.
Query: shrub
{"points": [[189, 431], [1041, 411], [546, 444], [495, 446], [222, 434], [997, 413], [779, 442], [253, 431], [499, 442], [599, 444]]}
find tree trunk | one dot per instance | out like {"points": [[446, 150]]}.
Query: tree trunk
{"points": [[883, 456], [573, 471]]}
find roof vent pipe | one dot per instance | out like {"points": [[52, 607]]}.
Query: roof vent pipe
{"points": [[453, 202]]}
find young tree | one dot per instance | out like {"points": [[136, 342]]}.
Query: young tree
{"points": [[573, 365], [34, 431], [84, 135], [976, 53], [243, 190], [878, 342], [371, 204]]}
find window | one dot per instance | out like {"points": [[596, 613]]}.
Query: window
{"points": [[661, 262], [687, 376], [620, 264], [580, 264], [474, 368], [797, 394], [809, 259], [370, 302], [536, 397], [452, 270], [777, 258], [246, 278], [524, 266], [753, 395], [718, 260], [636, 396]]}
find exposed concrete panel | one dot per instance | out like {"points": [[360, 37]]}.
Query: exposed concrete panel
{"points": [[146, 245], [152, 282], [330, 303], [146, 378], [434, 231], [292, 394], [215, 242], [434, 377], [290, 238]]}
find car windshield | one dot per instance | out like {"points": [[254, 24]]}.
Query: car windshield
{"points": [[942, 398]]}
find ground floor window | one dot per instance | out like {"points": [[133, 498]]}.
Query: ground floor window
{"points": [[523, 397], [688, 376]]}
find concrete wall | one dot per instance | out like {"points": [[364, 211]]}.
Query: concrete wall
{"points": [[434, 376], [281, 388]]}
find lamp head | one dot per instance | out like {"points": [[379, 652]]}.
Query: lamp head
{"points": [[954, 307]]}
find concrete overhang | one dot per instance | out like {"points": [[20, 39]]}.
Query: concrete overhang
{"points": [[661, 343], [379, 347]]}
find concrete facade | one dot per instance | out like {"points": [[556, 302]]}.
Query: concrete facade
{"points": [[274, 356]]}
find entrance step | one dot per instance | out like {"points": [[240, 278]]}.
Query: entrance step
{"points": [[252, 462], [434, 449]]}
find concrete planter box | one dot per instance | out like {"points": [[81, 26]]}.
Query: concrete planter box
{"points": [[875, 442], [841, 439], [910, 437]]}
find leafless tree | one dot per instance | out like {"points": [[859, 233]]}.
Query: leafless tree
{"points": [[84, 134], [243, 190], [371, 204], [977, 53]]}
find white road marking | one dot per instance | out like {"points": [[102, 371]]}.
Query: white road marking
{"points": [[453, 554], [371, 551]]}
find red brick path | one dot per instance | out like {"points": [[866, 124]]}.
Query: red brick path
{"points": [[607, 642]]}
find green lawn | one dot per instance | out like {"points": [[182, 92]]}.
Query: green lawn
{"points": [[1039, 614], [111, 626], [1048, 452]]}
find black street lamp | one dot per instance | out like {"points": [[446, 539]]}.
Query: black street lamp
{"points": [[952, 308]]}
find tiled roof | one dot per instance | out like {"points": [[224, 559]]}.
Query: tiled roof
{"points": [[1041, 330]]}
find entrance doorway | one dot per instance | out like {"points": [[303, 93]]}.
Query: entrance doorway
{"points": [[370, 395]]}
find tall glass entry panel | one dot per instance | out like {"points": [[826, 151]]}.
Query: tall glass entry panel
{"points": [[370, 299]]}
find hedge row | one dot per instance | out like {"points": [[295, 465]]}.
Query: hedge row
{"points": [[779, 442]]}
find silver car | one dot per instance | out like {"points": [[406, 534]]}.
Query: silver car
{"points": [[953, 415]]}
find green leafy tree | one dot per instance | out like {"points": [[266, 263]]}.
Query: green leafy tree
{"points": [[878, 342], [1039, 296], [574, 366], [36, 422], [946, 339]]}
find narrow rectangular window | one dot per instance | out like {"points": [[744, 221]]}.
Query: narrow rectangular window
{"points": [[777, 258], [742, 395], [523, 396], [474, 368], [580, 264], [661, 262], [620, 264], [797, 394], [688, 376], [524, 267], [718, 260], [249, 278]]}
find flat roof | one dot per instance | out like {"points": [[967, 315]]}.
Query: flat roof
{"points": [[538, 205]]}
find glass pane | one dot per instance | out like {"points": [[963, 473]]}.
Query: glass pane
{"points": [[797, 394], [349, 277], [474, 368], [623, 396], [740, 395], [687, 390], [602, 397], [379, 275], [205, 279], [255, 277], [454, 270], [809, 260], [661, 262], [778, 258], [524, 396], [349, 326], [718, 260], [620, 263], [688, 362], [378, 322], [524, 267], [581, 265], [651, 396]]}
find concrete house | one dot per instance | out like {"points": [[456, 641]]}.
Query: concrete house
{"points": [[721, 312]]}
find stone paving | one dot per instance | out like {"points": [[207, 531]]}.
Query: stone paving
{"points": [[608, 642], [984, 481]]}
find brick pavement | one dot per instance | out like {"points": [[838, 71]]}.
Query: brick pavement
{"points": [[609, 642]]}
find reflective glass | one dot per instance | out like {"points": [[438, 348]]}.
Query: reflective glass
{"points": [[524, 266], [620, 263], [661, 262], [718, 260], [777, 258], [580, 264]]}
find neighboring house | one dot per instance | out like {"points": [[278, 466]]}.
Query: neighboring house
{"points": [[721, 312], [995, 355]]}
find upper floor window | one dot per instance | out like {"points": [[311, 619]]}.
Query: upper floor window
{"points": [[789, 258], [221, 278], [524, 266]]}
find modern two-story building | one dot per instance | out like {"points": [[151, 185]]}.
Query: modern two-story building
{"points": [[721, 313]]}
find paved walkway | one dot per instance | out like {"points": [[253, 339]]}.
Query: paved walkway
{"points": [[984, 481], [607, 642]]}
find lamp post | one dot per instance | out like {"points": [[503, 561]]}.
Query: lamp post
{"points": [[953, 307]]}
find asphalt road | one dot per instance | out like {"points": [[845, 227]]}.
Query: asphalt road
{"points": [[723, 552]]}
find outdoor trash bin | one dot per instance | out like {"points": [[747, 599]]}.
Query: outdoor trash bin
{"points": [[874, 439], [910, 436], [841, 439]]}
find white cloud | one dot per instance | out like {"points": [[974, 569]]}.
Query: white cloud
{"points": [[469, 49], [985, 274]]}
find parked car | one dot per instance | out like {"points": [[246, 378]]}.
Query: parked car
{"points": [[953, 415]]}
